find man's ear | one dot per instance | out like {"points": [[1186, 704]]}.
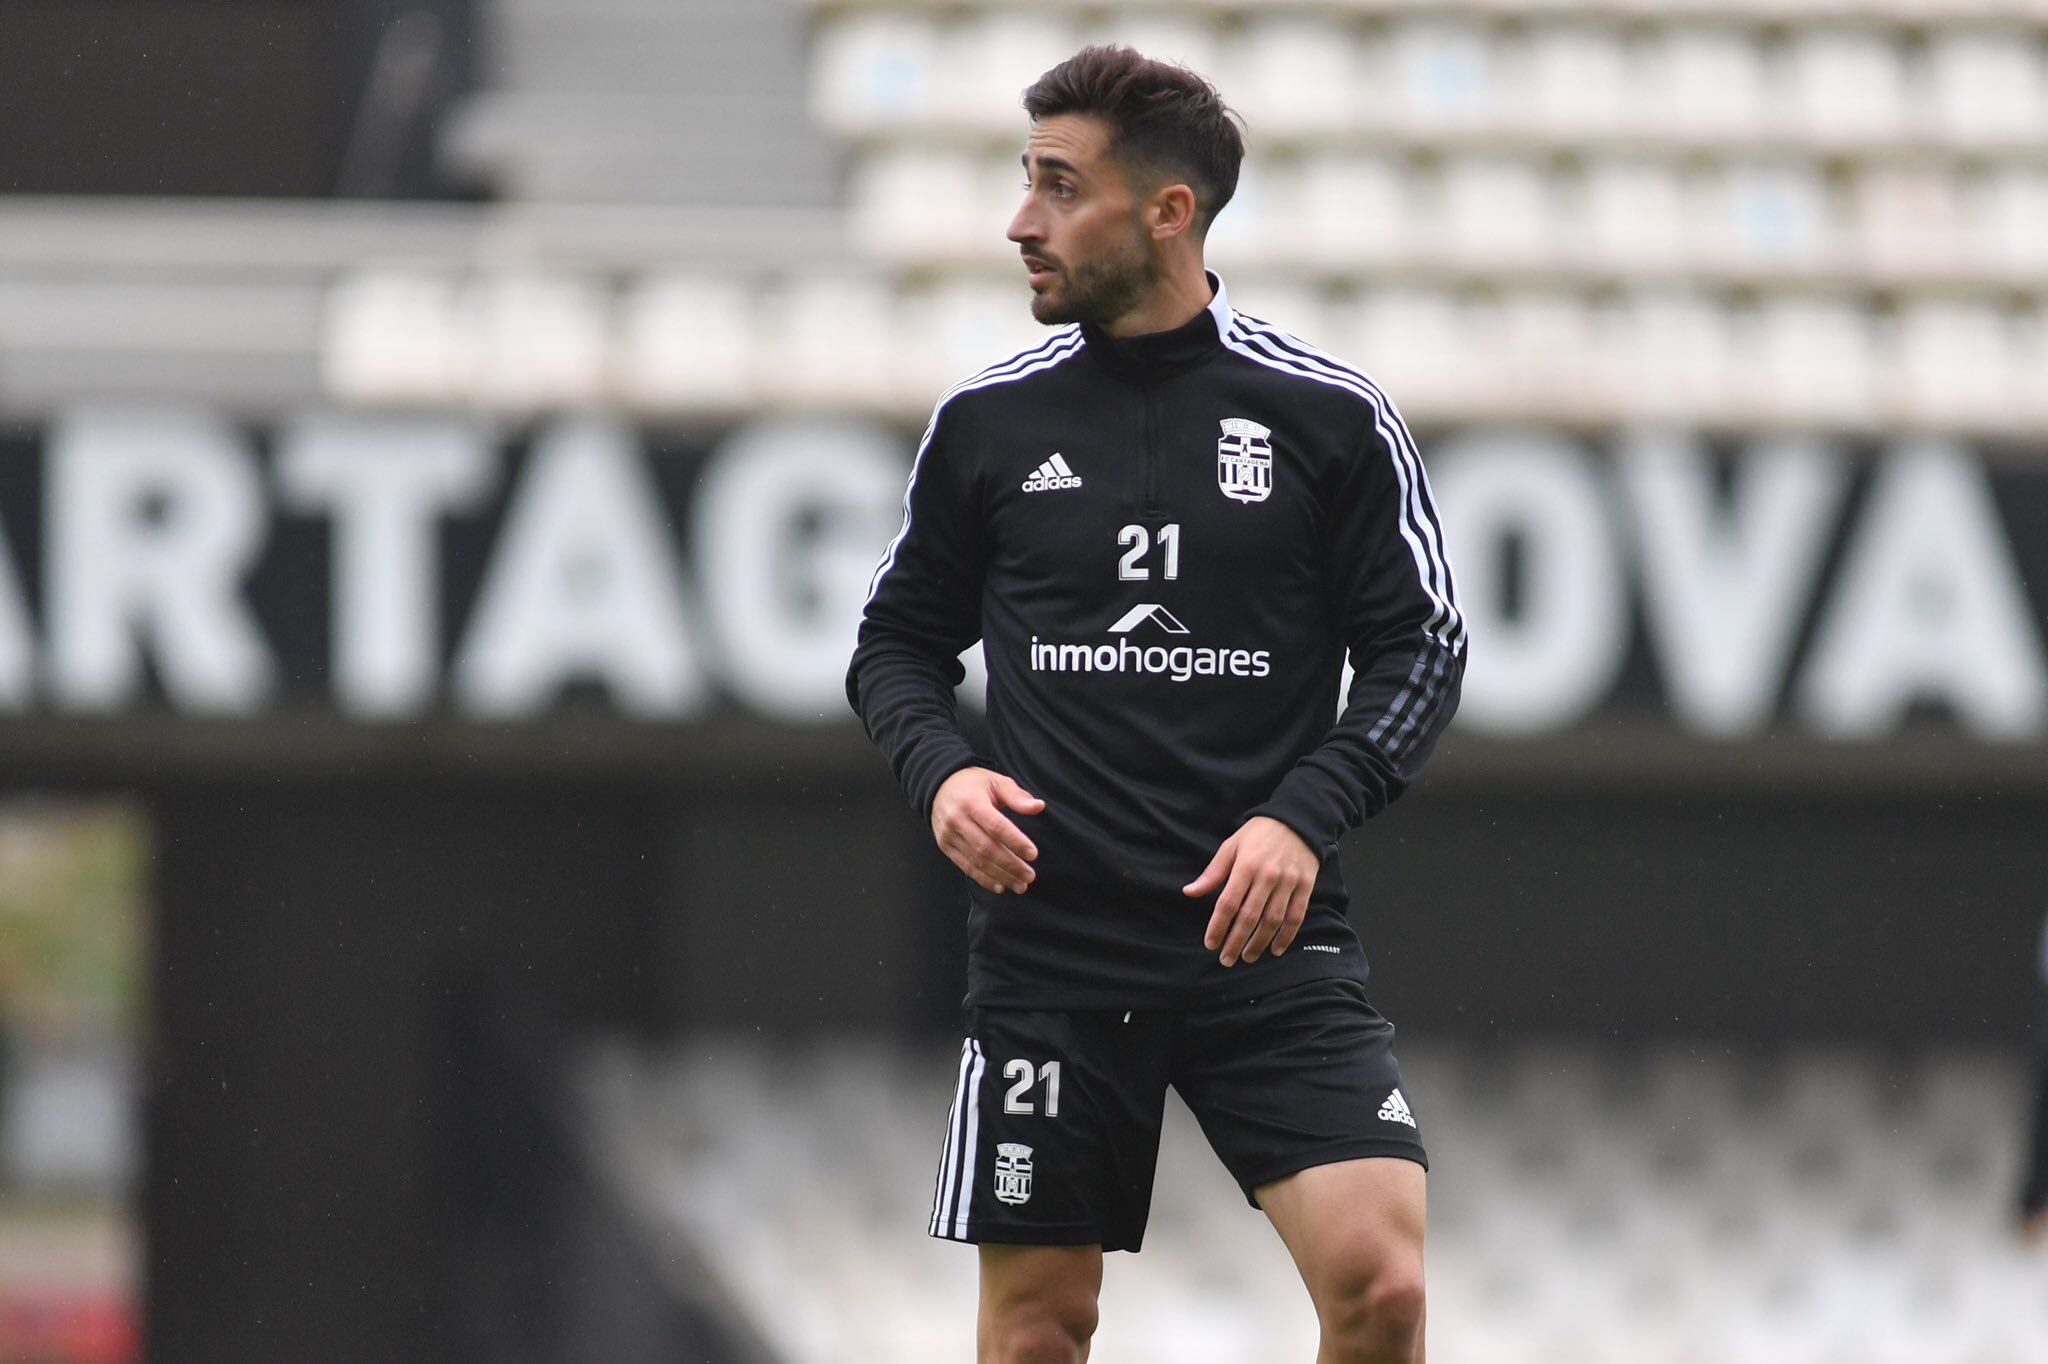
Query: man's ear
{"points": [[1170, 212]]}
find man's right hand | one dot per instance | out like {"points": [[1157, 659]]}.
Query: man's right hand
{"points": [[969, 823]]}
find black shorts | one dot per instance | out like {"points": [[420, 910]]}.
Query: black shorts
{"points": [[1054, 1131]]}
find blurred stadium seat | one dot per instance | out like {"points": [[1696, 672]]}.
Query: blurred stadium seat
{"points": [[1589, 1203]]}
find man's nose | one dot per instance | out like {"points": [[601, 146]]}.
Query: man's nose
{"points": [[1024, 225]]}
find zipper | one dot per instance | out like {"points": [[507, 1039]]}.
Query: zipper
{"points": [[1153, 506]]}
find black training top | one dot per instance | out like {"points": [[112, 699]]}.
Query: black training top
{"points": [[1166, 545]]}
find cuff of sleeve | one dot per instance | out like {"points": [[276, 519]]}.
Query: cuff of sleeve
{"points": [[1296, 816], [929, 770]]}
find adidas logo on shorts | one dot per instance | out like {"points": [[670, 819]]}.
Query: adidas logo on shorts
{"points": [[1052, 476], [1395, 1109]]}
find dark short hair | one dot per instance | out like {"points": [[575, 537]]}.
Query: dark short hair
{"points": [[1164, 119]]}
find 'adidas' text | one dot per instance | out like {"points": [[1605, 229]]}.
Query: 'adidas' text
{"points": [[1051, 476], [1395, 1109]]}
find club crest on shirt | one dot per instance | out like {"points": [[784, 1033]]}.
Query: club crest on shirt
{"points": [[1013, 1173], [1244, 460]]}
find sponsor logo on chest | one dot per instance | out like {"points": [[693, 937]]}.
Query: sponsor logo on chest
{"points": [[1174, 660]]}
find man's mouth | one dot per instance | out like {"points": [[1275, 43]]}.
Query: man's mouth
{"points": [[1037, 271]]}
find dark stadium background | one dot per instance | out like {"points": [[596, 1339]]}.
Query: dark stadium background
{"points": [[378, 940]]}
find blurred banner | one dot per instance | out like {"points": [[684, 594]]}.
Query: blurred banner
{"points": [[387, 569]]}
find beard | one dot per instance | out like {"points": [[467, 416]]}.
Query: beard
{"points": [[1101, 290]]}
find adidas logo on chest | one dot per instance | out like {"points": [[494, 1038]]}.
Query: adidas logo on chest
{"points": [[1052, 476]]}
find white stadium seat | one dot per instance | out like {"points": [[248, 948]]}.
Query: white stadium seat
{"points": [[1294, 74], [1579, 79], [1350, 209], [988, 59], [1712, 77], [1849, 85], [1496, 212], [2010, 209], [539, 341], [687, 344], [1444, 74], [1766, 216], [875, 71], [1682, 360], [827, 340], [1547, 345], [1956, 358], [1816, 361], [919, 204], [394, 336], [1909, 217], [1989, 85], [1633, 214]]}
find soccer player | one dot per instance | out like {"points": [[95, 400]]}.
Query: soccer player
{"points": [[1167, 525]]}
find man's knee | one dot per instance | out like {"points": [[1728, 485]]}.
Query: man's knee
{"points": [[1370, 1307], [1046, 1329], [1038, 1304]]}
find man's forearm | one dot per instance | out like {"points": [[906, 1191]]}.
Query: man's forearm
{"points": [[905, 701]]}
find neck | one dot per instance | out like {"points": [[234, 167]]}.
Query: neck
{"points": [[1183, 291]]}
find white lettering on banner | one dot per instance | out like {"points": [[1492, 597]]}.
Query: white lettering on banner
{"points": [[582, 585], [152, 522], [785, 527], [1930, 607], [153, 518], [385, 482], [1724, 593], [1551, 657]]}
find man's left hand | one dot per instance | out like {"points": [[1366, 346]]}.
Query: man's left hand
{"points": [[1266, 872]]}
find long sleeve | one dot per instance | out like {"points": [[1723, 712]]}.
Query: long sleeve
{"points": [[1391, 588], [923, 609]]}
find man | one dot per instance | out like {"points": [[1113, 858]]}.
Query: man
{"points": [[1167, 525]]}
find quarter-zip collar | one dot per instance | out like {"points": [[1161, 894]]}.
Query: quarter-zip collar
{"points": [[1152, 356]]}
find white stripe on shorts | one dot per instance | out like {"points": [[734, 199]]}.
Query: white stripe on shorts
{"points": [[965, 1200], [942, 1193]]}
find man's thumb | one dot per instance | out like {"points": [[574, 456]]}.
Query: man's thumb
{"points": [[1212, 875], [1016, 797]]}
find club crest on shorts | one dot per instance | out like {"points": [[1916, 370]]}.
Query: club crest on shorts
{"points": [[1244, 460], [1013, 1173]]}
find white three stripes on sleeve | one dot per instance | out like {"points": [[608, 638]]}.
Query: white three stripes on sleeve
{"points": [[1275, 349], [1422, 694]]}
